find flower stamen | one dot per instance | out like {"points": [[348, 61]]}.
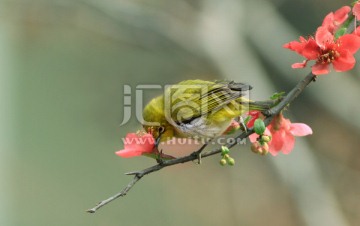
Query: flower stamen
{"points": [[328, 57]]}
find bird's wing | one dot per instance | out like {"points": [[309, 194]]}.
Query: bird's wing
{"points": [[191, 99]]}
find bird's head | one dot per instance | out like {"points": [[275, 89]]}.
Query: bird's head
{"points": [[155, 122]]}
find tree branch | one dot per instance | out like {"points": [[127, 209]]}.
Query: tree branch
{"points": [[269, 114], [295, 92]]}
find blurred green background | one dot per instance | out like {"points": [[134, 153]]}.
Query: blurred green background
{"points": [[63, 65]]}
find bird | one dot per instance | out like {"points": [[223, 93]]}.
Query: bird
{"points": [[198, 109]]}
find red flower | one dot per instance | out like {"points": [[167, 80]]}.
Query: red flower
{"points": [[326, 50], [254, 115], [136, 145], [282, 134]]}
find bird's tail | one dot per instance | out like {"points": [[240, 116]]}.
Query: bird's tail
{"points": [[261, 105]]}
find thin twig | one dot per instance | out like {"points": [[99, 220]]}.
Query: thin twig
{"points": [[295, 92], [195, 155]]}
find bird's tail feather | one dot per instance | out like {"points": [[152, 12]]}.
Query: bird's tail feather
{"points": [[261, 105]]}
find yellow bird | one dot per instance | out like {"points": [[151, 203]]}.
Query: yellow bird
{"points": [[198, 109]]}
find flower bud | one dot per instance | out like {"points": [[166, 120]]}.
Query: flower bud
{"points": [[259, 126], [231, 161], [265, 138], [223, 162], [264, 149], [226, 156], [265, 146], [255, 147]]}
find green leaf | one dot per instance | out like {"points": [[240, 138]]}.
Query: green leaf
{"points": [[259, 126], [224, 150], [340, 32], [278, 95], [247, 119]]}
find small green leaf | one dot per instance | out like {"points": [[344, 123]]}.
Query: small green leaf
{"points": [[259, 126], [247, 119], [224, 150], [340, 32], [277, 96]]}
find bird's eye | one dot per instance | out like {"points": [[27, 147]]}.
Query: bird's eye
{"points": [[161, 129]]}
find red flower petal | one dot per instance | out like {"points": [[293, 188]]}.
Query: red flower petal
{"points": [[288, 144], [275, 145], [341, 15], [273, 151], [332, 21], [128, 153], [295, 46], [136, 145], [328, 21], [307, 48], [277, 141], [300, 129], [254, 115], [349, 42], [345, 62], [253, 137], [320, 69], [311, 50], [299, 65], [323, 36], [356, 10]]}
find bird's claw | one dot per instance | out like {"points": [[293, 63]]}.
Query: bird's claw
{"points": [[159, 159], [241, 122]]}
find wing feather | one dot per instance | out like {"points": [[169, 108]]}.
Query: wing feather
{"points": [[192, 99]]}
